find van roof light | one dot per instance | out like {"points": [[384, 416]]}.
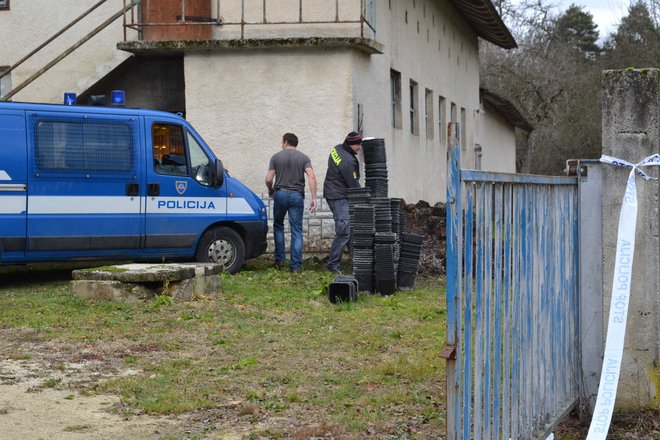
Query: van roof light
{"points": [[118, 97], [69, 98]]}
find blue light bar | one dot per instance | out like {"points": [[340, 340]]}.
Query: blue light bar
{"points": [[118, 97], [69, 99]]}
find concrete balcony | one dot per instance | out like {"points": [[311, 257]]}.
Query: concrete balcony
{"points": [[177, 26]]}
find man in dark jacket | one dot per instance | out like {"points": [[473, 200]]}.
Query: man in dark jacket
{"points": [[343, 172]]}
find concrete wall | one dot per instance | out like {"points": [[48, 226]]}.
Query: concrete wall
{"points": [[426, 41], [28, 23], [631, 131], [242, 102], [245, 100], [496, 136]]}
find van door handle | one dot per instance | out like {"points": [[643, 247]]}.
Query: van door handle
{"points": [[132, 189], [153, 189]]}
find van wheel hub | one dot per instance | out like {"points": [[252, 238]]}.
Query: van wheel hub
{"points": [[222, 252]]}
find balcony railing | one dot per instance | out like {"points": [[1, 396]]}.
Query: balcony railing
{"points": [[242, 19]]}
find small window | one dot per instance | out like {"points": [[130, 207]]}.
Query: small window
{"points": [[442, 119], [83, 146], [200, 163], [395, 85], [414, 108], [4, 4], [169, 150], [428, 113]]}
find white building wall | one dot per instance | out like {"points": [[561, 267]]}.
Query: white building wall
{"points": [[441, 56], [242, 102], [497, 139], [29, 23]]}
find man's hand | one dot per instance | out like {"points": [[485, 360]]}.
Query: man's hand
{"points": [[271, 193], [312, 206]]}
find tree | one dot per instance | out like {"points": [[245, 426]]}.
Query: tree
{"points": [[552, 83], [636, 41], [577, 29]]}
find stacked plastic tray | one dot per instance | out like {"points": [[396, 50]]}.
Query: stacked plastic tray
{"points": [[344, 288], [384, 273], [375, 169], [411, 247], [362, 237]]}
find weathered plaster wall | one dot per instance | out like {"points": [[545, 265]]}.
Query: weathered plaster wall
{"points": [[425, 41], [28, 23], [243, 101], [497, 139], [631, 131]]}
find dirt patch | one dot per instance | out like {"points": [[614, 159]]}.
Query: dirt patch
{"points": [[39, 403]]}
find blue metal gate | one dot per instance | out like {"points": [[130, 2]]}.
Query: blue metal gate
{"points": [[512, 302]]}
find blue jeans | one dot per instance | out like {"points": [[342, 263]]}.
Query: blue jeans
{"points": [[293, 203], [342, 238]]}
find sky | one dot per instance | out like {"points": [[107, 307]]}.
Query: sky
{"points": [[607, 13]]}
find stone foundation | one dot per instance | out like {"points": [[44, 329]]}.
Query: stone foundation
{"points": [[318, 228], [133, 283]]}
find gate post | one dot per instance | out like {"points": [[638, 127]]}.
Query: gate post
{"points": [[631, 131], [590, 224], [454, 264]]}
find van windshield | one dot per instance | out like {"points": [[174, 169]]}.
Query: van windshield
{"points": [[199, 162]]}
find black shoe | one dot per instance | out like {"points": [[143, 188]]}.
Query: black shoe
{"points": [[279, 264], [333, 270], [298, 270]]}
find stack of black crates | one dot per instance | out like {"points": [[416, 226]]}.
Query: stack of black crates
{"points": [[385, 259]]}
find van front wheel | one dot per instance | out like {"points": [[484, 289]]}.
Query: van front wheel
{"points": [[222, 246]]}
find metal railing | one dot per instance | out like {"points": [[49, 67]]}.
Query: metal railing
{"points": [[68, 51], [366, 19]]}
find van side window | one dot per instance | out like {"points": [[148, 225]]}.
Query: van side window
{"points": [[169, 150], [199, 162], [83, 146]]}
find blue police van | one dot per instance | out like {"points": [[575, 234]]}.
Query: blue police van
{"points": [[80, 182]]}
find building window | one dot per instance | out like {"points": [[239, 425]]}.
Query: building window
{"points": [[463, 129], [428, 113], [442, 119], [4, 4], [5, 81], [414, 108], [395, 85]]}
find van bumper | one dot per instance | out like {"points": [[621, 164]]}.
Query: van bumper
{"points": [[255, 238]]}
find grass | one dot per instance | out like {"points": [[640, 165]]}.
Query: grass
{"points": [[268, 346]]}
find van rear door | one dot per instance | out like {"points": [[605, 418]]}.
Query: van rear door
{"points": [[84, 192], [13, 182], [181, 203]]}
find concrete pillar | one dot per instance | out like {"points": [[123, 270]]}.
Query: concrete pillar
{"points": [[631, 131]]}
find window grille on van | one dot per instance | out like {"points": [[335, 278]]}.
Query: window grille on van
{"points": [[83, 146]]}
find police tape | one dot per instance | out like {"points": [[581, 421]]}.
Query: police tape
{"points": [[616, 327]]}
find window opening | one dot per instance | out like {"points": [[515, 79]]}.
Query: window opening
{"points": [[169, 150], [442, 119], [428, 113], [395, 90], [200, 163], [414, 108]]}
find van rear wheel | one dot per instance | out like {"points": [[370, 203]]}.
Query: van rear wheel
{"points": [[222, 246]]}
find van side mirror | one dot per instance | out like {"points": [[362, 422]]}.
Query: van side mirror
{"points": [[218, 174]]}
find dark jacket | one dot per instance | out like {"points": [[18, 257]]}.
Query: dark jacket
{"points": [[343, 172]]}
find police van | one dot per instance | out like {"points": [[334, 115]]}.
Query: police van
{"points": [[80, 182]]}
